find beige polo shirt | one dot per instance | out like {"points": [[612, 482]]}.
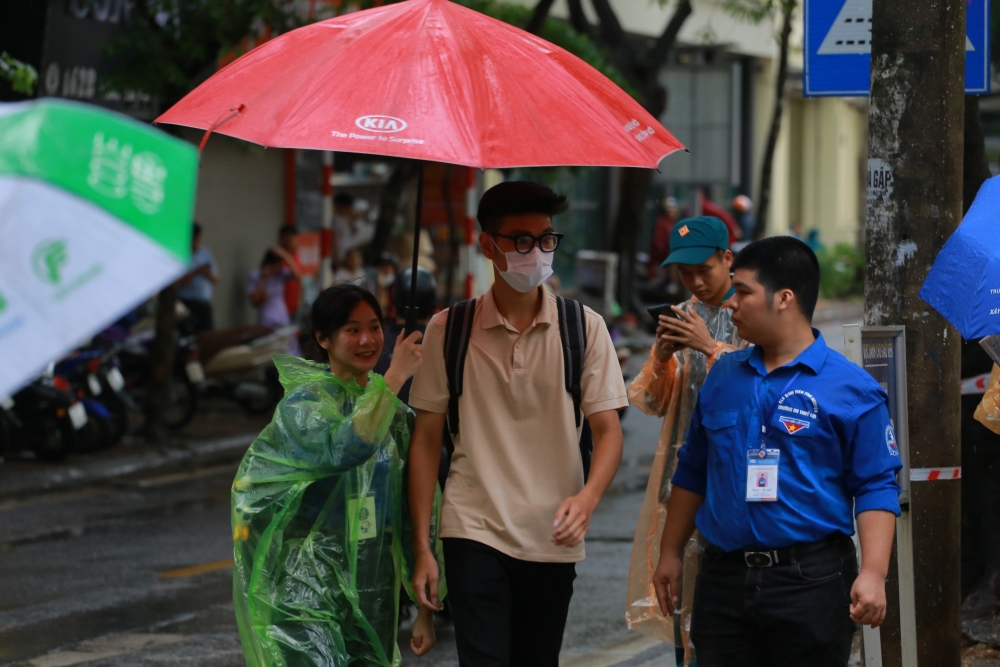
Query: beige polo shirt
{"points": [[517, 454]]}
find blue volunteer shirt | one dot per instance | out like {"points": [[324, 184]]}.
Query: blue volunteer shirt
{"points": [[838, 448]]}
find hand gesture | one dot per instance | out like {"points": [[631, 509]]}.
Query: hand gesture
{"points": [[690, 331], [406, 359], [868, 599], [425, 580], [572, 520], [664, 348], [667, 582], [423, 639]]}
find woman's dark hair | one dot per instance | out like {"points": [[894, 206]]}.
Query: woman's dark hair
{"points": [[517, 198], [783, 262], [270, 257], [333, 307], [343, 199]]}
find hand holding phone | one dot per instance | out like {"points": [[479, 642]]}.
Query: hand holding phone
{"points": [[664, 349]]}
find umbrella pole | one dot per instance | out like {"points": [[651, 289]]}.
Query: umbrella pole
{"points": [[411, 307]]}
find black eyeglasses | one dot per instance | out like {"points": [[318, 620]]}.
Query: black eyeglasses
{"points": [[525, 243]]}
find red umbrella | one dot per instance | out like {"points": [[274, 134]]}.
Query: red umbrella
{"points": [[427, 80]]}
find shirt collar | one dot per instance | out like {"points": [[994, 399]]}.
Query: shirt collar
{"points": [[813, 357], [491, 316]]}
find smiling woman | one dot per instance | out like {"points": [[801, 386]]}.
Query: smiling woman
{"points": [[320, 521]]}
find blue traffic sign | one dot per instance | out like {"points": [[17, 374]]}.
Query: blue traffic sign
{"points": [[839, 53]]}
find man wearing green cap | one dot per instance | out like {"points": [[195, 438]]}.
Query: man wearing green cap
{"points": [[686, 347]]}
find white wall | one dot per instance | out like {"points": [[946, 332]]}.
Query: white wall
{"points": [[241, 206]]}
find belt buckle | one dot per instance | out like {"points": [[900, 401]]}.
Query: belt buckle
{"points": [[757, 559]]}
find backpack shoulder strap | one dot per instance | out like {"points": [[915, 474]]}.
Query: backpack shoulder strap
{"points": [[457, 332], [573, 330]]}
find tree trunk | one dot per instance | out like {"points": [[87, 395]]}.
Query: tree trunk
{"points": [[635, 184], [539, 16], [404, 172], [767, 165], [161, 366]]}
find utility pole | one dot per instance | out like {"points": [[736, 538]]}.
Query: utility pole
{"points": [[915, 141]]}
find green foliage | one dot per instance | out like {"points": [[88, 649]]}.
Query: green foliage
{"points": [[173, 45], [841, 272], [558, 32], [22, 77], [758, 11]]}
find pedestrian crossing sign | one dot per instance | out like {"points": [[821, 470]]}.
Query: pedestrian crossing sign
{"points": [[838, 47]]}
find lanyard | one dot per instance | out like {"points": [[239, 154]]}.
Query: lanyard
{"points": [[767, 420]]}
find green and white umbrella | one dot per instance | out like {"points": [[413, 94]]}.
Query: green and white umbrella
{"points": [[95, 216]]}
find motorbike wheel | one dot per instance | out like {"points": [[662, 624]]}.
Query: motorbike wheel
{"points": [[6, 435], [51, 439], [256, 397], [182, 404], [118, 424]]}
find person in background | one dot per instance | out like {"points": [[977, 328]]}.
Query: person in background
{"points": [[687, 345], [351, 270], [287, 239], [812, 240], [345, 224], [195, 288], [711, 209], [795, 231], [659, 247], [743, 209], [266, 289]]}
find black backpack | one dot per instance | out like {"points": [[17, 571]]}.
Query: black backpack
{"points": [[572, 332]]}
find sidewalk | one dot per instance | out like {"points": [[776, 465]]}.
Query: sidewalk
{"points": [[220, 433]]}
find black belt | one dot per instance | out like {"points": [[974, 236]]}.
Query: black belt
{"points": [[756, 557]]}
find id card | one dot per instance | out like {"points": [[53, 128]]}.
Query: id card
{"points": [[367, 521], [762, 475]]}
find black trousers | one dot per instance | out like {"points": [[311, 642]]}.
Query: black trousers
{"points": [[793, 614], [507, 612]]}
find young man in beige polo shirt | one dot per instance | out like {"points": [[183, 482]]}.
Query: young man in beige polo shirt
{"points": [[516, 509]]}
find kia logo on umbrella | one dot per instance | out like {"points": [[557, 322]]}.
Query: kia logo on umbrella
{"points": [[381, 123]]}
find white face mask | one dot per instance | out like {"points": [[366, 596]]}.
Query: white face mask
{"points": [[526, 272]]}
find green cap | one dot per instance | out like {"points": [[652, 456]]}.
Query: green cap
{"points": [[694, 240]]}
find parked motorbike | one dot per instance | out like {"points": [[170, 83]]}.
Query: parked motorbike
{"points": [[133, 359], [94, 377], [237, 364], [44, 417]]}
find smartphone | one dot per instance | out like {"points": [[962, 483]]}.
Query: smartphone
{"points": [[664, 309]]}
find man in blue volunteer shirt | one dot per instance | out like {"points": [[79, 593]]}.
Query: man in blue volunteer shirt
{"points": [[788, 443]]}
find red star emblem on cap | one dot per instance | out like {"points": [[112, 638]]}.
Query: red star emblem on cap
{"points": [[684, 231]]}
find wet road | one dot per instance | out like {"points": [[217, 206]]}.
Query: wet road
{"points": [[139, 573]]}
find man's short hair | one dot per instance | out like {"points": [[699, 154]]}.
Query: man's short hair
{"points": [[783, 262], [286, 230], [343, 199], [195, 229], [517, 198]]}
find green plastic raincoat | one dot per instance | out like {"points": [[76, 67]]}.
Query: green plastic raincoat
{"points": [[321, 524]]}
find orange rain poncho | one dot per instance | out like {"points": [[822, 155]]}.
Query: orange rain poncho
{"points": [[988, 412], [670, 390]]}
